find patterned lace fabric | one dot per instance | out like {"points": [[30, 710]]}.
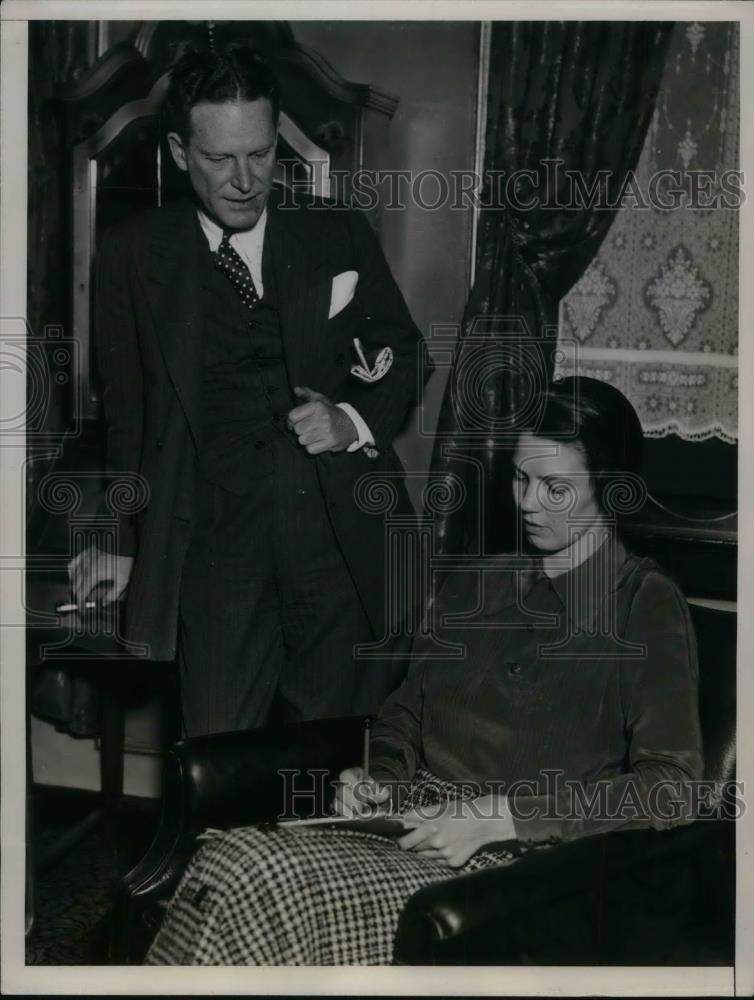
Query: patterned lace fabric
{"points": [[656, 312]]}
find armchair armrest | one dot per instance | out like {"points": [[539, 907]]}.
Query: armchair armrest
{"points": [[601, 900], [234, 779]]}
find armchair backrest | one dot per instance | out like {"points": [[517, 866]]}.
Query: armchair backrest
{"points": [[716, 641], [236, 778]]}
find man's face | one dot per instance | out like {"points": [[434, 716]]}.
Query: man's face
{"points": [[230, 159]]}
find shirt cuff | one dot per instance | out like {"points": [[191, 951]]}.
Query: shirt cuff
{"points": [[536, 819], [364, 435]]}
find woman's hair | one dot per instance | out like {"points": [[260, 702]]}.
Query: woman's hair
{"points": [[599, 418], [235, 74]]}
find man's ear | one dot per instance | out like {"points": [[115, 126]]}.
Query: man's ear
{"points": [[178, 150]]}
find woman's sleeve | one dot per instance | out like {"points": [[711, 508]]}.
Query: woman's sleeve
{"points": [[395, 747], [396, 733], [659, 695]]}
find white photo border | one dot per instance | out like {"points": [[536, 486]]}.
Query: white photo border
{"points": [[20, 979]]}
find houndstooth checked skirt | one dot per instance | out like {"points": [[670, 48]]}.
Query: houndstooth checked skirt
{"points": [[256, 896]]}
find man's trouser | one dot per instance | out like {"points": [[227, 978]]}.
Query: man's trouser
{"points": [[269, 612]]}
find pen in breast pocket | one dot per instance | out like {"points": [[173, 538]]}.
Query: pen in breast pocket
{"points": [[360, 352]]}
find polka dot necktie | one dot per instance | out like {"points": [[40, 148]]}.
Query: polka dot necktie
{"points": [[232, 265]]}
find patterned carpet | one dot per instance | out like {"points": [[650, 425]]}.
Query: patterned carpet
{"points": [[74, 895]]}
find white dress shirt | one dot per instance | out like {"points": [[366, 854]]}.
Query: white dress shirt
{"points": [[249, 243]]}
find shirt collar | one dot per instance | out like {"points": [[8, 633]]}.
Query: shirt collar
{"points": [[247, 240], [582, 591]]}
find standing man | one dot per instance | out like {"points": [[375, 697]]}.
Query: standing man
{"points": [[225, 329]]}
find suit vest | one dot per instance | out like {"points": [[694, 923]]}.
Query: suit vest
{"points": [[246, 393]]}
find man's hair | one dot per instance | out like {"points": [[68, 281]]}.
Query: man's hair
{"points": [[235, 74], [598, 417]]}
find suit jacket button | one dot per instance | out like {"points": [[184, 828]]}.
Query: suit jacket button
{"points": [[159, 443], [514, 668], [259, 445]]}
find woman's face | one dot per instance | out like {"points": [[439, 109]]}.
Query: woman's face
{"points": [[553, 492]]}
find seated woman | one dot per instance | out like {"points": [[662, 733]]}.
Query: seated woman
{"points": [[571, 710]]}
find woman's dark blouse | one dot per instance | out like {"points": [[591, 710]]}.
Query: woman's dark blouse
{"points": [[592, 674]]}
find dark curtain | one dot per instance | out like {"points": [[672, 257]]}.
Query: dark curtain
{"points": [[59, 53], [569, 104]]}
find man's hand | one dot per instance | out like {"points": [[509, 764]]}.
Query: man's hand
{"points": [[358, 795], [93, 569], [458, 829], [319, 425]]}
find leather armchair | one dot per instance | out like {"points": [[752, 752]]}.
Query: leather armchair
{"points": [[225, 780], [640, 897]]}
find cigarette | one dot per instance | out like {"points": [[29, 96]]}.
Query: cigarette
{"points": [[66, 608]]}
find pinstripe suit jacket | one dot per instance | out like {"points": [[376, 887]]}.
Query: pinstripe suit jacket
{"points": [[149, 278]]}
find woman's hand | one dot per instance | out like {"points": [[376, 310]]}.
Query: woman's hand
{"points": [[458, 829], [358, 795]]}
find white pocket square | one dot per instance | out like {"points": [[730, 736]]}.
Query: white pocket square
{"points": [[343, 287], [371, 373]]}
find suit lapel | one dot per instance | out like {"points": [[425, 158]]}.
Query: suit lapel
{"points": [[176, 273], [303, 288]]}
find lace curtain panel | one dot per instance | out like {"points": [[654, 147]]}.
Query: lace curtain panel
{"points": [[656, 312]]}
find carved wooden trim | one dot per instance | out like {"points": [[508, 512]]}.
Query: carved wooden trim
{"points": [[139, 50], [144, 38], [317, 158], [85, 155], [145, 107], [116, 59], [361, 94]]}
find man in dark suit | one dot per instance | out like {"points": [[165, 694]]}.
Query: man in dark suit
{"points": [[226, 328]]}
